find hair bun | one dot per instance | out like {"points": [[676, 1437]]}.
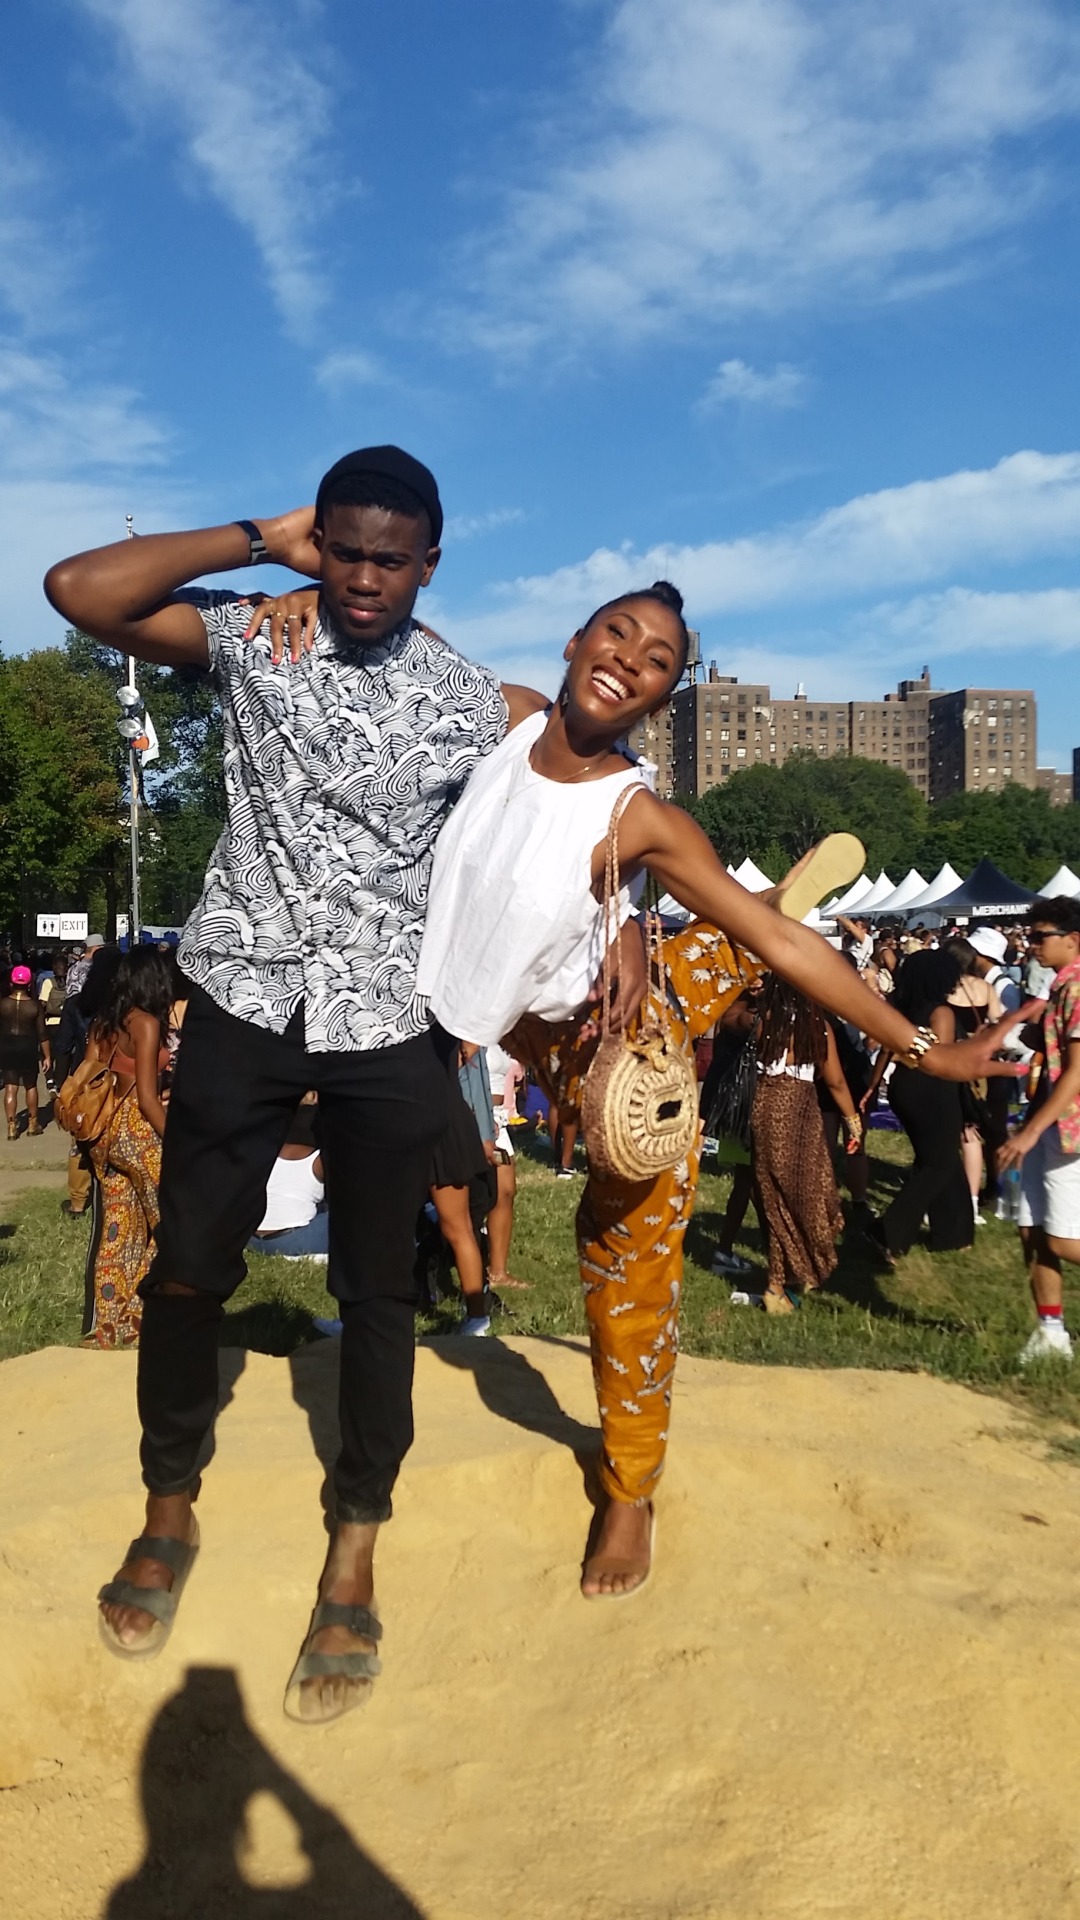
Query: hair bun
{"points": [[671, 597]]}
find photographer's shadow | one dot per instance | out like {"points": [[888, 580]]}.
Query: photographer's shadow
{"points": [[201, 1766]]}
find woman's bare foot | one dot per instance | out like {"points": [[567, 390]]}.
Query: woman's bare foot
{"points": [[349, 1578], [622, 1559], [168, 1517]]}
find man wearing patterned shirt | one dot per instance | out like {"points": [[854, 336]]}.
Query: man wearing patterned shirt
{"points": [[1047, 1147], [340, 769]]}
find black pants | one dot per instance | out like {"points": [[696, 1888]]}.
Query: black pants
{"points": [[929, 1111], [234, 1094]]}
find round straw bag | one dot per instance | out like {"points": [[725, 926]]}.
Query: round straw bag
{"points": [[639, 1108]]}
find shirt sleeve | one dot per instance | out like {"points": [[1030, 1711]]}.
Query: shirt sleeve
{"points": [[225, 616], [1069, 1016]]}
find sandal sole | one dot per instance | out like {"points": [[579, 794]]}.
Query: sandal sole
{"points": [[838, 861]]}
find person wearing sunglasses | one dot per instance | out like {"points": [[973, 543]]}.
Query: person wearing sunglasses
{"points": [[1047, 1147]]}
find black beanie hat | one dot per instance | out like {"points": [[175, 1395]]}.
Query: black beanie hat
{"points": [[396, 464]]}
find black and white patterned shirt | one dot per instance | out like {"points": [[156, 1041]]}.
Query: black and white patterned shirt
{"points": [[339, 772]]}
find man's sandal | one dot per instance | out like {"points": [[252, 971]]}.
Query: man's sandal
{"points": [[835, 862], [358, 1665], [179, 1557]]}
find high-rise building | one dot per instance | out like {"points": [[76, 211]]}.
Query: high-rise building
{"points": [[1076, 774], [977, 738], [981, 738]]}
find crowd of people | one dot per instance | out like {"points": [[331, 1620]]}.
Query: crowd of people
{"points": [[412, 900]]}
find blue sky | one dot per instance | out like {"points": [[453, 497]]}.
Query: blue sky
{"points": [[777, 297]]}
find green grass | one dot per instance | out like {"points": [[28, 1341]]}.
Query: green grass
{"points": [[961, 1316]]}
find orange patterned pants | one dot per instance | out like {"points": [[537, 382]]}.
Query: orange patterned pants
{"points": [[630, 1235]]}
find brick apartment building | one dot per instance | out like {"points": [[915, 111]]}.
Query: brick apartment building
{"points": [[1058, 785], [976, 738]]}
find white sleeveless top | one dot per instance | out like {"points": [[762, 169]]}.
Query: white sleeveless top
{"points": [[293, 1194], [513, 925]]}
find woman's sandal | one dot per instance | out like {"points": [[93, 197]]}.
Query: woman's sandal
{"points": [[833, 864], [775, 1300], [359, 1665], [179, 1557]]}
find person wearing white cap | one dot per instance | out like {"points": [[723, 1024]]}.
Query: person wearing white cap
{"points": [[991, 947]]}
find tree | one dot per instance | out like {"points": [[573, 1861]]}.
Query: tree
{"points": [[763, 810], [61, 765], [184, 789], [1017, 828]]}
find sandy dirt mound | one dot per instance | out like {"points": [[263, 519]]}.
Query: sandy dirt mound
{"points": [[850, 1690]]}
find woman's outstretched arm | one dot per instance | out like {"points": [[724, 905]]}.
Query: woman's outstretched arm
{"points": [[673, 848]]}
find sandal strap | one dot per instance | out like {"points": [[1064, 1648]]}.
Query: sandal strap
{"points": [[342, 1666], [177, 1555], [154, 1600], [359, 1620]]}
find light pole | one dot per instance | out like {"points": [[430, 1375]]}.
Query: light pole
{"points": [[131, 728]]}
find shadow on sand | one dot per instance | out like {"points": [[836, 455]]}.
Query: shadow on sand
{"points": [[201, 1766], [508, 1384]]}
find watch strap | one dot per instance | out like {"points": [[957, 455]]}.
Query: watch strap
{"points": [[259, 551]]}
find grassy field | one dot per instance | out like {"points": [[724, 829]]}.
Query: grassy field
{"points": [[962, 1316]]}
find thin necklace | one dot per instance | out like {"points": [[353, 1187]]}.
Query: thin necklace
{"points": [[570, 777]]}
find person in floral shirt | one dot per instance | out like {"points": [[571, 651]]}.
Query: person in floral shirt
{"points": [[1047, 1147]]}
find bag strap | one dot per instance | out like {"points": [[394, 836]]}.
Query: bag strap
{"points": [[653, 933]]}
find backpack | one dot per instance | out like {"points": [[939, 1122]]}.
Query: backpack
{"points": [[87, 1100]]}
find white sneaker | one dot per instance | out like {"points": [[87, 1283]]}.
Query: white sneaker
{"points": [[478, 1328], [1050, 1340], [730, 1263]]}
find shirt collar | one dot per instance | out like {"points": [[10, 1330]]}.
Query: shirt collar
{"points": [[338, 647], [1071, 972]]}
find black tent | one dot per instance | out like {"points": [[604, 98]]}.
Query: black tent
{"points": [[985, 895]]}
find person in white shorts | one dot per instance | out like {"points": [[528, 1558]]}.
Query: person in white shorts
{"points": [[1047, 1147]]}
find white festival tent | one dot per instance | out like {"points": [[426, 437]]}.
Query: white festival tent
{"points": [[881, 889], [748, 875], [945, 882], [751, 877], [1063, 881], [912, 884], [845, 901]]}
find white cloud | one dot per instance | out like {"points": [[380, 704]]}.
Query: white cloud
{"points": [[253, 117], [1026, 507], [723, 158], [962, 620], [735, 382], [470, 526], [47, 425], [350, 368]]}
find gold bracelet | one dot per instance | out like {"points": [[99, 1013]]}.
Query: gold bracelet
{"points": [[925, 1038], [854, 1124]]}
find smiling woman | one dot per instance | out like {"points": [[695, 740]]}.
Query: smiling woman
{"points": [[513, 940]]}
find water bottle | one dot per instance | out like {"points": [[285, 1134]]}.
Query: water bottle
{"points": [[1011, 1186]]}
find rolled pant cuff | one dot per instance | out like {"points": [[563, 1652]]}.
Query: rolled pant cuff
{"points": [[362, 1513], [160, 1490], [615, 1489]]}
